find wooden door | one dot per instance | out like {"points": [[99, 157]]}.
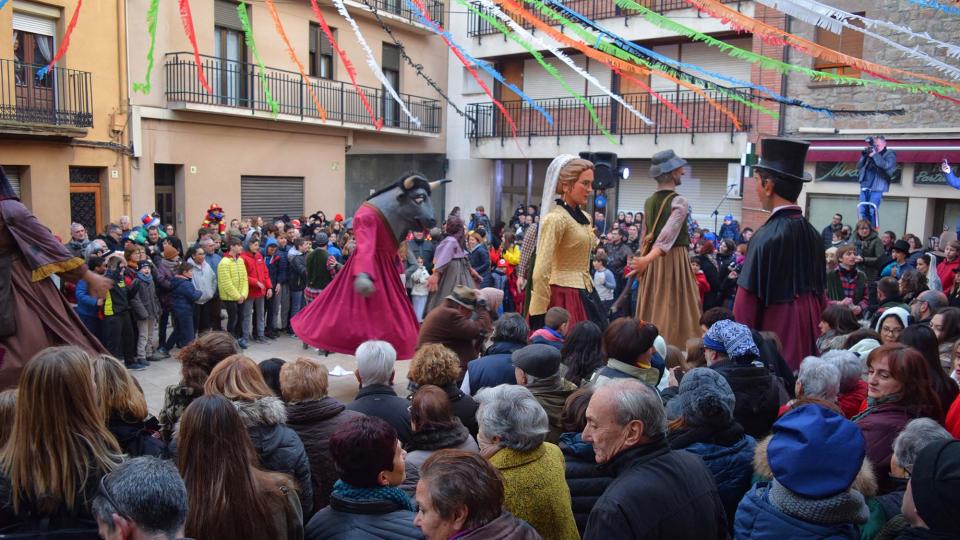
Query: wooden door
{"points": [[512, 71], [35, 98]]}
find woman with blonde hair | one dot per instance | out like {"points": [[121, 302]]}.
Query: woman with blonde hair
{"points": [[565, 238], [8, 412], [438, 365], [59, 447], [315, 416], [197, 360], [125, 409], [231, 497], [238, 378]]}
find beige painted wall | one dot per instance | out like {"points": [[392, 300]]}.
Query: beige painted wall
{"points": [[222, 154], [95, 48]]}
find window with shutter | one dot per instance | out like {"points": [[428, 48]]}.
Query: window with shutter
{"points": [[849, 42], [390, 59], [321, 52]]}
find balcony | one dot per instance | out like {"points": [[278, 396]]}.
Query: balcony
{"points": [[400, 10], [591, 9], [58, 105], [571, 118], [237, 90]]}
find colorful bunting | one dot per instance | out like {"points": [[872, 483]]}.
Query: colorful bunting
{"points": [[951, 10], [64, 44], [347, 64], [293, 56], [251, 44], [145, 86], [187, 20]]}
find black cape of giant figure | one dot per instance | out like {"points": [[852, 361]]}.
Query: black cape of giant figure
{"points": [[785, 259]]}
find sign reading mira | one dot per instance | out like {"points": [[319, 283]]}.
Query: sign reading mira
{"points": [[845, 171]]}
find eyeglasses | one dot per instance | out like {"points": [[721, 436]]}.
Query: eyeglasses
{"points": [[105, 493], [891, 331]]}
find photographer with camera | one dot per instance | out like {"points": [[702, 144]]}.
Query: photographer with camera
{"points": [[876, 168]]}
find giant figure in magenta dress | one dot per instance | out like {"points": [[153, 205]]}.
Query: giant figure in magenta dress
{"points": [[367, 300]]}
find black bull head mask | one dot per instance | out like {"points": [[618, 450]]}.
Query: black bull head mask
{"points": [[406, 204]]}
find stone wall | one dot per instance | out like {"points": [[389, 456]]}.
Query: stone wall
{"points": [[921, 110]]}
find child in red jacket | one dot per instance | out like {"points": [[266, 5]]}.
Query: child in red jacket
{"points": [[260, 287], [702, 284]]}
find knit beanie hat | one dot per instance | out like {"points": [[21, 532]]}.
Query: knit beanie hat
{"points": [[815, 452], [538, 360], [936, 485], [897, 312], [704, 398], [732, 338], [169, 252]]}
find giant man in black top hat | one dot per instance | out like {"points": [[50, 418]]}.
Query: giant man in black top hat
{"points": [[781, 288]]}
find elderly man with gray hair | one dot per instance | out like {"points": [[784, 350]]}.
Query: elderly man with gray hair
{"points": [[377, 397], [927, 304], [853, 389], [513, 431], [656, 492], [143, 498], [916, 435]]}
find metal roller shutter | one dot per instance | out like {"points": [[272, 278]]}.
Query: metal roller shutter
{"points": [[34, 24], [13, 174], [538, 84], [225, 15], [704, 186], [271, 196]]}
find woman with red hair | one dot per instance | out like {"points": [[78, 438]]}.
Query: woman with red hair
{"points": [[898, 390]]}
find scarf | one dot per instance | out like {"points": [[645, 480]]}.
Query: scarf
{"points": [[575, 213], [846, 507], [145, 278], [380, 493], [873, 403]]}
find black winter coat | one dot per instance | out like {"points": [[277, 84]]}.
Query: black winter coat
{"points": [[586, 480], [757, 394], [347, 519], [138, 438], [278, 446], [315, 421], [658, 493], [382, 401]]}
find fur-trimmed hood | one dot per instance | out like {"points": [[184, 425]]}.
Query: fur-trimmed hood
{"points": [[865, 482], [266, 411]]}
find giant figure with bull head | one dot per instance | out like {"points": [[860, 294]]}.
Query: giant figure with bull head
{"points": [[367, 300]]}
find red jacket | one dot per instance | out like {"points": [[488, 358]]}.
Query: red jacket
{"points": [[703, 285], [945, 270], [256, 271], [854, 401], [953, 419]]}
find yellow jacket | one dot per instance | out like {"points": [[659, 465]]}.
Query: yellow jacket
{"points": [[563, 257], [232, 279], [535, 490]]}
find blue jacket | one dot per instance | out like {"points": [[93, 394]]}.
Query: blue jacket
{"points": [[495, 368], [283, 266], [758, 519], [272, 262], [86, 304], [732, 468], [876, 172], [183, 294]]}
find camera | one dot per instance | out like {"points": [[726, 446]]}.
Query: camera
{"points": [[734, 267], [870, 144]]}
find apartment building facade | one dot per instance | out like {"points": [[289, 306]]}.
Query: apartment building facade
{"points": [[192, 148], [923, 128], [63, 136], [505, 173]]}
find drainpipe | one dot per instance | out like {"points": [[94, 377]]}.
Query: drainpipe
{"points": [[784, 80], [124, 106]]}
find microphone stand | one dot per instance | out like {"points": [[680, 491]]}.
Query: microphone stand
{"points": [[716, 211]]}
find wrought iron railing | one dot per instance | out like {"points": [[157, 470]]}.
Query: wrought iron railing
{"points": [[63, 97], [236, 84], [401, 9], [592, 9], [571, 118]]}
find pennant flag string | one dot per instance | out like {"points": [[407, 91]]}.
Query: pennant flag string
{"points": [[526, 34], [418, 68], [676, 64], [424, 18], [775, 35], [646, 88], [764, 62], [248, 35], [825, 16], [606, 57], [934, 94], [549, 68], [933, 4], [187, 20], [347, 65], [64, 44], [293, 56], [146, 85], [372, 62]]}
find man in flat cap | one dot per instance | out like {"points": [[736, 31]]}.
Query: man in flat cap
{"points": [[537, 367]]}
